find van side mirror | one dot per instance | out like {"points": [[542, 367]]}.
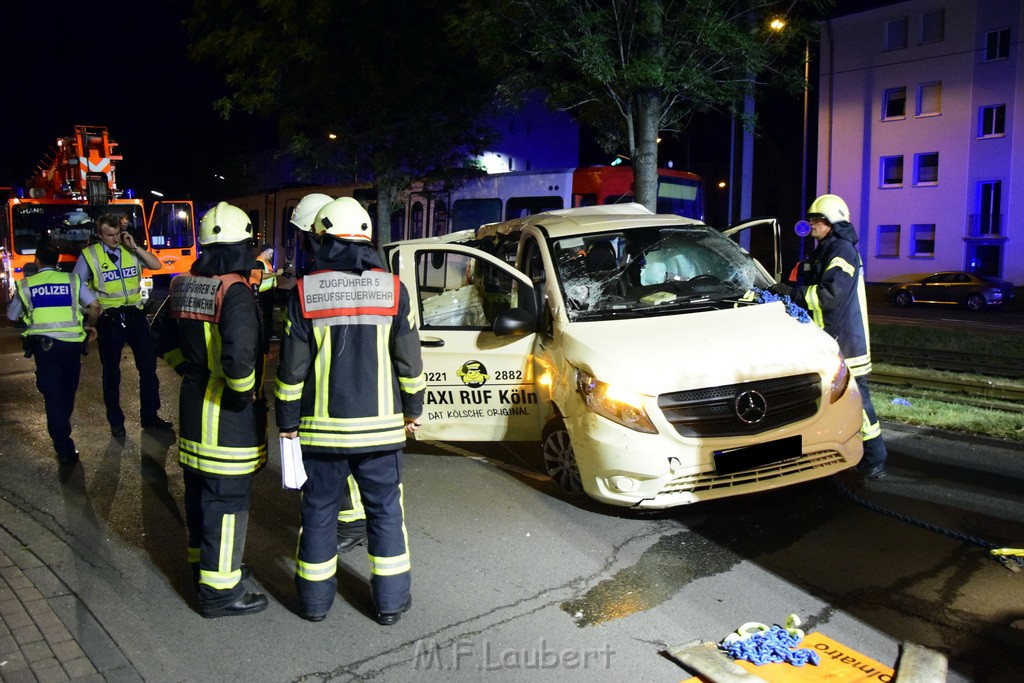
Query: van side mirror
{"points": [[514, 322]]}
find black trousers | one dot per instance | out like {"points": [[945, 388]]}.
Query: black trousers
{"points": [[58, 368], [266, 300], [217, 515], [116, 329]]}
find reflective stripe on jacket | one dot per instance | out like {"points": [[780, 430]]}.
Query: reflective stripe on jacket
{"points": [[267, 283], [49, 301], [832, 290], [117, 284], [350, 368], [211, 335]]}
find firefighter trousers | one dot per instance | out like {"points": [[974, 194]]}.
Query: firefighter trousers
{"points": [[116, 330], [58, 368], [875, 452], [379, 477], [217, 514], [351, 515]]}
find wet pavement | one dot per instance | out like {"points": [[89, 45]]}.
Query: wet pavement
{"points": [[512, 580]]}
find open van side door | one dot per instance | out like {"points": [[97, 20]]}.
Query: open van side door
{"points": [[480, 385], [767, 249]]}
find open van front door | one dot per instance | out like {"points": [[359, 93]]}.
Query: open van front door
{"points": [[480, 385], [766, 248]]}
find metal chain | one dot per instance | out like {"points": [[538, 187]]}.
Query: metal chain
{"points": [[1014, 563]]}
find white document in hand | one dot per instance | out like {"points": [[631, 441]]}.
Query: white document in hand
{"points": [[293, 474]]}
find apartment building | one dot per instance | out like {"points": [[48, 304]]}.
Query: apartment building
{"points": [[916, 108]]}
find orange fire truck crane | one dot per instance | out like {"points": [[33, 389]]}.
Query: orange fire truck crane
{"points": [[70, 189]]}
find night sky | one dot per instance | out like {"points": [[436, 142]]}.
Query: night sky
{"points": [[121, 65], [117, 65]]}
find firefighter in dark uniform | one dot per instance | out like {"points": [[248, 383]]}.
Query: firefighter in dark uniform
{"points": [[49, 301], [830, 286], [351, 515], [211, 335], [113, 269], [350, 383]]}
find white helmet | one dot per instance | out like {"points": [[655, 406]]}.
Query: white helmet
{"points": [[225, 224], [830, 207], [344, 218], [305, 210]]}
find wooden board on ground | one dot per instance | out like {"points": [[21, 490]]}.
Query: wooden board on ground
{"points": [[839, 664]]}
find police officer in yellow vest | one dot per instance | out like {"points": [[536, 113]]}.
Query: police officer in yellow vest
{"points": [[350, 385], [113, 269], [50, 303], [211, 336], [268, 282]]}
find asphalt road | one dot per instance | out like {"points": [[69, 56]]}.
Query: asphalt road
{"points": [[512, 579]]}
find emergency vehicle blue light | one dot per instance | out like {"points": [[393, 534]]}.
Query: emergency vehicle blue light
{"points": [[17, 270], [20, 191], [129, 193]]}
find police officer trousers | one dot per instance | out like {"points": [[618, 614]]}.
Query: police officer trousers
{"points": [[379, 477], [117, 327], [217, 514], [58, 368]]}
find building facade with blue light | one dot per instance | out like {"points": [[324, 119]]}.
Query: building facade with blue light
{"points": [[916, 106]]}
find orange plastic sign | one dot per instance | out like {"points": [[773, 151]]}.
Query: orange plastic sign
{"points": [[839, 664]]}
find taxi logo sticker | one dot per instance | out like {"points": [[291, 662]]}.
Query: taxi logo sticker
{"points": [[473, 374]]}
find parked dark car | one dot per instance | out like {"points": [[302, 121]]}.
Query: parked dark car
{"points": [[957, 288]]}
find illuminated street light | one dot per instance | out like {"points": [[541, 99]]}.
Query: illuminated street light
{"points": [[156, 194], [777, 24], [332, 136]]}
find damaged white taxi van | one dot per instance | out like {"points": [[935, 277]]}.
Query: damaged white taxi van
{"points": [[642, 351]]}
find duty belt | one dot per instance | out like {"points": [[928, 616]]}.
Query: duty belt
{"points": [[122, 314]]}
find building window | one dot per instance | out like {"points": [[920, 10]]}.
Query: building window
{"points": [[894, 104], [922, 239], [988, 218], [929, 99], [926, 168], [891, 171], [933, 26], [997, 44], [896, 34], [992, 121], [888, 241]]}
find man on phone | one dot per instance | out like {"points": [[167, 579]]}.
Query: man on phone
{"points": [[113, 269]]}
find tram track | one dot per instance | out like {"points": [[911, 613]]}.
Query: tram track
{"points": [[991, 382]]}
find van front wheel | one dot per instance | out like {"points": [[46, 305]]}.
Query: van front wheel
{"points": [[560, 459]]}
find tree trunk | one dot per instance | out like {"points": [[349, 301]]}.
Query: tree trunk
{"points": [[645, 156], [387, 196], [648, 110]]}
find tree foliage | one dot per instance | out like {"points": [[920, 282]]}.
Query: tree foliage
{"points": [[633, 68], [380, 76]]}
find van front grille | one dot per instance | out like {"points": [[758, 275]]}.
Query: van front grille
{"points": [[713, 411]]}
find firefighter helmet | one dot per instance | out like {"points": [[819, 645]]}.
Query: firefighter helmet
{"points": [[344, 218], [830, 207], [224, 224], [305, 211]]}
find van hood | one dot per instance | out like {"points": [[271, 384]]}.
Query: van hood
{"points": [[693, 350]]}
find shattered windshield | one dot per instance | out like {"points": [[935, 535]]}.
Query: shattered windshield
{"points": [[652, 271]]}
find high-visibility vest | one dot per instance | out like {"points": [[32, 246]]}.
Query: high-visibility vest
{"points": [[50, 302], [267, 283], [116, 284]]}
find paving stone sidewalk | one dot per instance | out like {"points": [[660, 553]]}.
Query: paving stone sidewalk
{"points": [[46, 632]]}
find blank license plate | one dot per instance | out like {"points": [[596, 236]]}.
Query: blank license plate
{"points": [[750, 457]]}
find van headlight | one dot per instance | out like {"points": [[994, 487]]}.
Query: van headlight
{"points": [[623, 407], [840, 381]]}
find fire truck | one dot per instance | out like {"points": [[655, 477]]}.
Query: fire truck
{"points": [[69, 191]]}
